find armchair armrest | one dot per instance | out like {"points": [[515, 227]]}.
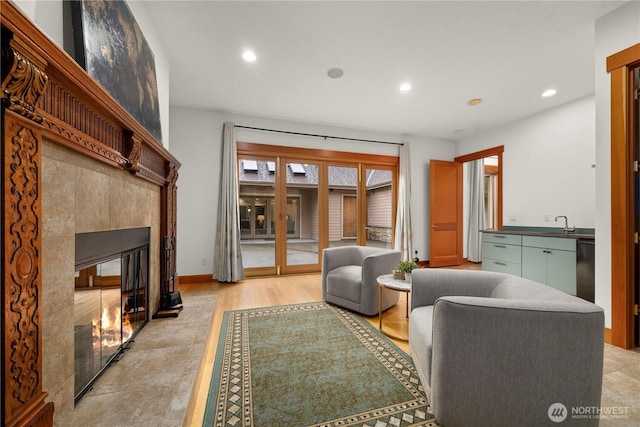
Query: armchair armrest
{"points": [[428, 284], [377, 264]]}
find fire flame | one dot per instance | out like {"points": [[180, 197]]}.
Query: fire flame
{"points": [[111, 329]]}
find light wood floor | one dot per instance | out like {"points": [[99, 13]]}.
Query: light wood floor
{"points": [[621, 367]]}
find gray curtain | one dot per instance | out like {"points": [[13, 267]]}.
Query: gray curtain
{"points": [[227, 257], [476, 210], [403, 240]]}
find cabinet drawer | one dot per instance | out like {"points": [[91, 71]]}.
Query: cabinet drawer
{"points": [[509, 239], [489, 264], [502, 252], [562, 243]]}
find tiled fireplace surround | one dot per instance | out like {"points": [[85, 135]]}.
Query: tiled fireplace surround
{"points": [[83, 195]]}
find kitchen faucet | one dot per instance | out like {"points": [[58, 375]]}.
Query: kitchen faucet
{"points": [[566, 228]]}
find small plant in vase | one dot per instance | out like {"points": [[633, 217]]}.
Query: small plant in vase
{"points": [[404, 269]]}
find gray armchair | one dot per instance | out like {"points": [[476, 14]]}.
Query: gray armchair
{"points": [[349, 277], [497, 350]]}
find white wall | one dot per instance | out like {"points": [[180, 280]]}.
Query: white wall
{"points": [[48, 16], [547, 165], [196, 142], [614, 32]]}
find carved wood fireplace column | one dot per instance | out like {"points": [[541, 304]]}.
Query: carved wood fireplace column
{"points": [[23, 82]]}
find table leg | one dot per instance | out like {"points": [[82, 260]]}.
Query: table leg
{"points": [[407, 313], [380, 306]]}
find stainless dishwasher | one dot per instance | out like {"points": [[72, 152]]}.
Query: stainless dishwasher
{"points": [[586, 269]]}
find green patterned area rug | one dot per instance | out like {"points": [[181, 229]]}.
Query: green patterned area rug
{"points": [[311, 365]]}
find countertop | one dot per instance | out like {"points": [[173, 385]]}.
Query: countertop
{"points": [[546, 232]]}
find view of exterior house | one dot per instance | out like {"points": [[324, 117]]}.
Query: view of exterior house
{"points": [[258, 201]]}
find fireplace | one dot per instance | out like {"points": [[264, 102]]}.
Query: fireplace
{"points": [[74, 162], [110, 299]]}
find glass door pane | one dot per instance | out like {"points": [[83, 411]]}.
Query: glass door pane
{"points": [[379, 205], [245, 218], [257, 177], [260, 218], [301, 213], [293, 217], [343, 205]]}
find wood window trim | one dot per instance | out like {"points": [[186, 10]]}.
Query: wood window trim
{"points": [[620, 66], [250, 148], [493, 151]]}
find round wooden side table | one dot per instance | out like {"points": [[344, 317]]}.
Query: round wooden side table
{"points": [[387, 281]]}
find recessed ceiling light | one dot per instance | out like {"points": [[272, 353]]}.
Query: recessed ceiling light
{"points": [[335, 72], [474, 101], [249, 56], [405, 87], [549, 92]]}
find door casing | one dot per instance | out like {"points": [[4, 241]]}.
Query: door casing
{"points": [[623, 219]]}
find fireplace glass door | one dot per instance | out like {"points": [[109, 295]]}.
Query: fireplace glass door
{"points": [[109, 309]]}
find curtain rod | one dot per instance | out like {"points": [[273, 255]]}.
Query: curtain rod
{"points": [[344, 138]]}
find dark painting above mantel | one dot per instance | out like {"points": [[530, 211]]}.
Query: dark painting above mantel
{"points": [[110, 46]]}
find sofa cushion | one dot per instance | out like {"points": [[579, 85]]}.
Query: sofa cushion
{"points": [[345, 282], [420, 342]]}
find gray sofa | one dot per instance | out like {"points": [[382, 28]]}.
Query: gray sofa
{"points": [[349, 276], [494, 349]]}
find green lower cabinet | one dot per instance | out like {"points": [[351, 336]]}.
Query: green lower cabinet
{"points": [[561, 271], [501, 253], [534, 264], [548, 260], [551, 261]]}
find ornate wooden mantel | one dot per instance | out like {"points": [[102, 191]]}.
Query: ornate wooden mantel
{"points": [[45, 94]]}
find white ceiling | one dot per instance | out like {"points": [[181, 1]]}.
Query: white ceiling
{"points": [[506, 52]]}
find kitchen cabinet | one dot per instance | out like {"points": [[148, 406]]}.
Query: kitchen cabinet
{"points": [[502, 253], [550, 260]]}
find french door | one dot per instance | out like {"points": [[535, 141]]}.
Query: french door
{"points": [[293, 206]]}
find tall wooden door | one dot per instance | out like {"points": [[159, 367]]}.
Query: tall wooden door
{"points": [[445, 201], [349, 216]]}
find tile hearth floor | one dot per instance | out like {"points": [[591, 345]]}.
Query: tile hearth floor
{"points": [[151, 385]]}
